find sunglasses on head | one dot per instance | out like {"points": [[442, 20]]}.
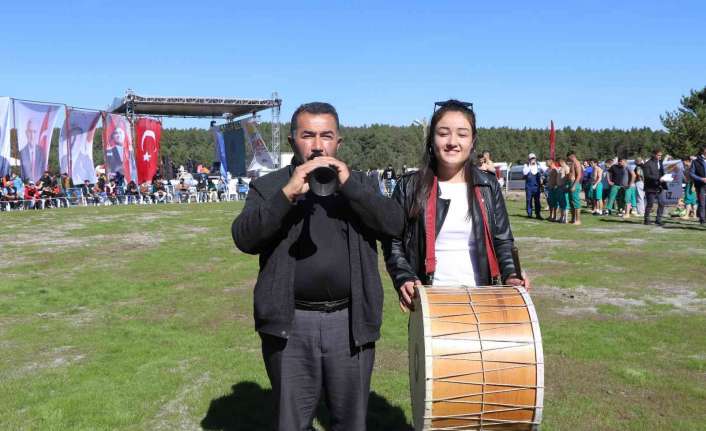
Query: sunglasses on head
{"points": [[453, 102]]}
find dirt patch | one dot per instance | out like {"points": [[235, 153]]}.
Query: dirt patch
{"points": [[174, 414], [585, 300], [57, 357]]}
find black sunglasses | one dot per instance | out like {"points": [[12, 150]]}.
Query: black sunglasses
{"points": [[453, 102]]}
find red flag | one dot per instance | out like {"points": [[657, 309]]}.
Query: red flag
{"points": [[552, 141], [148, 133]]}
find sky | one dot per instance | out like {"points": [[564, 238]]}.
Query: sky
{"points": [[592, 64]]}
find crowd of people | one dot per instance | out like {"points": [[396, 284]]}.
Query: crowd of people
{"points": [[614, 187], [54, 190]]}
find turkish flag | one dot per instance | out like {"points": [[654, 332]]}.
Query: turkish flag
{"points": [[148, 132]]}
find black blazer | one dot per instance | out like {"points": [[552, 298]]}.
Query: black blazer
{"points": [[270, 224], [653, 171]]}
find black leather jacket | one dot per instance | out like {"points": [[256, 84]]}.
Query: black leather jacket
{"points": [[404, 256]]}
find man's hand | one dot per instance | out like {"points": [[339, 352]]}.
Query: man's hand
{"points": [[298, 184], [343, 172], [513, 280], [407, 295]]}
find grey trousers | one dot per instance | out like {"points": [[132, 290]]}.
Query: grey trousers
{"points": [[701, 199], [319, 355], [651, 197]]}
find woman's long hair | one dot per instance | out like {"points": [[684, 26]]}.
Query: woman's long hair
{"points": [[425, 175]]}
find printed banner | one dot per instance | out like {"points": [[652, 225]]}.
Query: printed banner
{"points": [[260, 153], [117, 146], [76, 145], [148, 132], [220, 149], [35, 124], [5, 126], [234, 148]]}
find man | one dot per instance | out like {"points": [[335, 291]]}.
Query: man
{"points": [[698, 176], [318, 296], [596, 188], [575, 176], [388, 178], [587, 182], [533, 183], [653, 171], [618, 178]]}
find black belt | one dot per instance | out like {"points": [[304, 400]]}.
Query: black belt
{"points": [[325, 306]]}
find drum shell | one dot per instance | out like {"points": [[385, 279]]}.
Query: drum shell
{"points": [[476, 359]]}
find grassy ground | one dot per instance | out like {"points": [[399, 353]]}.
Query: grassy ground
{"points": [[139, 318]]}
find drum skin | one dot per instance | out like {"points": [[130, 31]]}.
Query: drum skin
{"points": [[475, 359]]}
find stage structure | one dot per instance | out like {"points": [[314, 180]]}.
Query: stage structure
{"points": [[229, 108]]}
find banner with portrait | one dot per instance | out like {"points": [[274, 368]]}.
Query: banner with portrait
{"points": [[260, 153], [148, 132], [5, 127], [118, 150], [35, 124], [76, 145]]}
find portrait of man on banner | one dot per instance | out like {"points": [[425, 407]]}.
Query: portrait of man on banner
{"points": [[35, 124], [117, 147]]}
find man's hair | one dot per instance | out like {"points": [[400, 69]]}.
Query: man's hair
{"points": [[570, 153], [656, 150], [315, 108]]}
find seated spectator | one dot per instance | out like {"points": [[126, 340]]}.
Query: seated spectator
{"points": [[212, 191], [159, 193], [111, 192], [146, 191], [12, 197], [59, 195], [98, 190], [87, 192], [46, 193], [45, 180], [182, 191], [132, 192], [31, 195]]}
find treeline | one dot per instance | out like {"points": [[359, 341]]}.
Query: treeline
{"points": [[378, 145]]}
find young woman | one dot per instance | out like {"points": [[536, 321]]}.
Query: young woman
{"points": [[444, 240]]}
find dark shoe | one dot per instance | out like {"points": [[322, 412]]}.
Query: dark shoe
{"points": [[647, 222], [539, 217]]}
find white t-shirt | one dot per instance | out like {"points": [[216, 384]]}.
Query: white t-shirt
{"points": [[456, 252]]}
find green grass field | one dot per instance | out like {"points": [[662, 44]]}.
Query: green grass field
{"points": [[140, 318]]}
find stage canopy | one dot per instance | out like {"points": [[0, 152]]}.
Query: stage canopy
{"points": [[224, 107]]}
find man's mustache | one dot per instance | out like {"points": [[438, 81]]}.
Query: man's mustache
{"points": [[314, 154]]}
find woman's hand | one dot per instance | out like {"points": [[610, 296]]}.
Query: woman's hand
{"points": [[407, 295], [513, 280]]}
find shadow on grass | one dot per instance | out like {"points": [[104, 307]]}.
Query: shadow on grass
{"points": [[668, 224], [250, 407]]}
